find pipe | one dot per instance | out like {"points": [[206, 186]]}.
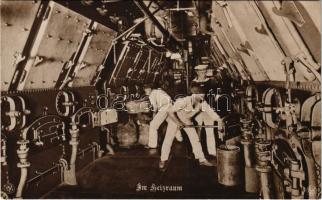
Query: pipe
{"points": [[22, 182], [312, 176], [108, 141], [266, 185], [247, 155], [246, 142], [74, 142], [23, 165], [251, 175], [44, 173], [263, 161], [70, 173]]}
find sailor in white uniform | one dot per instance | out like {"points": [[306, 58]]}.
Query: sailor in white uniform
{"points": [[181, 113], [161, 103], [203, 117]]}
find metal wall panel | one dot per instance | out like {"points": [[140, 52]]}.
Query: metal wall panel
{"points": [[311, 30], [227, 32], [17, 18], [97, 51], [57, 43], [286, 35], [264, 47]]}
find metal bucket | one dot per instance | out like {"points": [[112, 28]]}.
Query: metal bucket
{"points": [[228, 165]]}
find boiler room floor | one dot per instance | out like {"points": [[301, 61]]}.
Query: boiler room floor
{"points": [[118, 176]]}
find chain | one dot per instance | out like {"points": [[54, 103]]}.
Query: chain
{"points": [[318, 172], [42, 90]]}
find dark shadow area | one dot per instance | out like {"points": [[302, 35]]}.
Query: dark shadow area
{"points": [[118, 176]]}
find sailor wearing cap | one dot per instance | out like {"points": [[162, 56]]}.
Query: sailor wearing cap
{"points": [[203, 117], [202, 80]]}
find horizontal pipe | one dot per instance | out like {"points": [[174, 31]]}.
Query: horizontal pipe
{"points": [[43, 173], [209, 126]]}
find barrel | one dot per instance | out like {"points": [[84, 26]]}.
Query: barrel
{"points": [[228, 165], [144, 133], [127, 134]]}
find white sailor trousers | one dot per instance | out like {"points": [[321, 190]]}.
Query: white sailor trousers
{"points": [[156, 122], [204, 118], [172, 129]]}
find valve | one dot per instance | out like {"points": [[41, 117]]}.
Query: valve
{"points": [[245, 124], [263, 155], [39, 142], [3, 152], [37, 138], [288, 113], [23, 153], [297, 176]]}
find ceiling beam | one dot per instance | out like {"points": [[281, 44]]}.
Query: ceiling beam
{"points": [[89, 12]]}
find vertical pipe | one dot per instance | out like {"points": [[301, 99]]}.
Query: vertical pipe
{"points": [[247, 155], [263, 161], [266, 185], [70, 174], [251, 175], [23, 165], [312, 176]]}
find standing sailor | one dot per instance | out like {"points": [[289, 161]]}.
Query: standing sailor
{"points": [[203, 117]]}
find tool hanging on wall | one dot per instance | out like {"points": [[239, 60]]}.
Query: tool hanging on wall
{"points": [[70, 67]]}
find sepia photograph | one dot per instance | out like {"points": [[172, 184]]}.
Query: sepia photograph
{"points": [[160, 99]]}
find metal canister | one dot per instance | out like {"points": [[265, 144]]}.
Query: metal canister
{"points": [[229, 165]]}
